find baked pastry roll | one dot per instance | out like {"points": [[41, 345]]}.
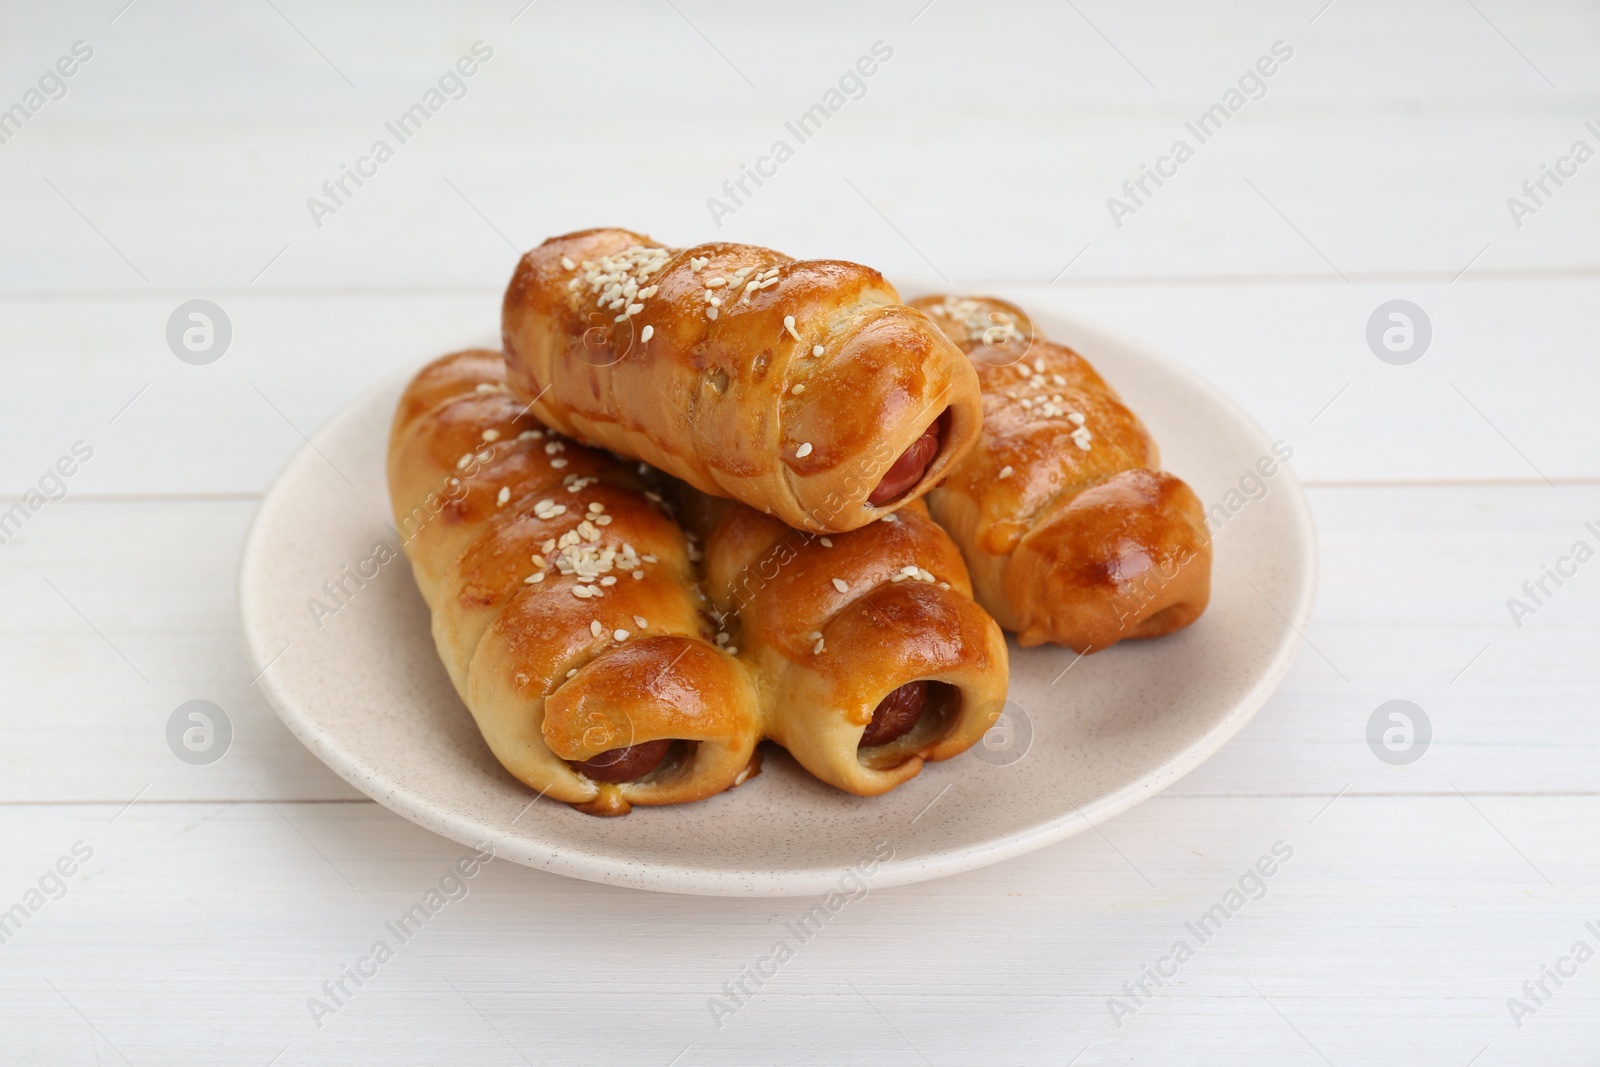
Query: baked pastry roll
{"points": [[869, 654], [803, 388], [565, 606], [1072, 532]]}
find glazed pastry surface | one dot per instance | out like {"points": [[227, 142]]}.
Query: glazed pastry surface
{"points": [[570, 609], [1073, 534], [799, 387]]}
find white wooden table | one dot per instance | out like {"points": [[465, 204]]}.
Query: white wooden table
{"points": [[216, 900]]}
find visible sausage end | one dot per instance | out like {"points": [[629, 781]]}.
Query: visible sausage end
{"points": [[913, 463], [896, 714], [624, 764]]}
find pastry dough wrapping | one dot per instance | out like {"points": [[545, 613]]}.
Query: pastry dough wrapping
{"points": [[831, 626], [564, 603], [1072, 533], [794, 386], [569, 610]]}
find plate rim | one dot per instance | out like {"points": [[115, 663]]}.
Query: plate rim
{"points": [[698, 881]]}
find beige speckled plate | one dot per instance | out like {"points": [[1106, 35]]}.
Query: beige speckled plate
{"points": [[358, 682]]}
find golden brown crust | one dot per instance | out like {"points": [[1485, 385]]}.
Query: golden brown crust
{"points": [[617, 341], [503, 521], [832, 625], [1072, 535], [568, 609]]}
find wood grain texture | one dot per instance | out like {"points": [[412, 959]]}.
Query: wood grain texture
{"points": [[175, 958]]}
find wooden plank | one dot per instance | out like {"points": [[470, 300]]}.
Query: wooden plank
{"points": [[1502, 393], [117, 614], [1314, 192], [222, 920], [1412, 606], [953, 55]]}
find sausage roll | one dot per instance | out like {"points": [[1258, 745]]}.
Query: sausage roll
{"points": [[565, 606], [803, 388], [1073, 534], [868, 652]]}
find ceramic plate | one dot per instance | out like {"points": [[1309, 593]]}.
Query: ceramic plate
{"points": [[1082, 739]]}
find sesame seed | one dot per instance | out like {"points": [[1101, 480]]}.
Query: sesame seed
{"points": [[814, 635], [503, 496], [722, 639], [715, 283], [634, 309], [944, 585], [608, 580], [817, 350], [620, 635], [788, 324], [595, 627], [739, 778], [715, 301], [647, 333], [733, 650], [1007, 471], [711, 313], [798, 389], [1038, 365], [910, 569], [638, 620], [582, 592], [890, 518], [827, 542], [840, 584], [534, 579], [567, 264], [803, 451], [464, 462], [558, 463], [491, 435], [1076, 418], [818, 648], [573, 673]]}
